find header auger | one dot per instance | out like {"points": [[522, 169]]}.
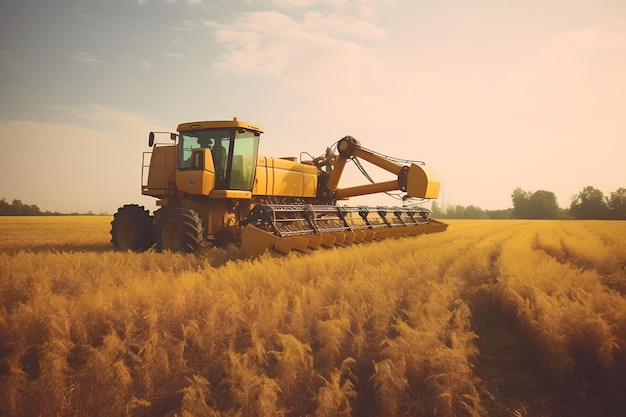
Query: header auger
{"points": [[212, 187]]}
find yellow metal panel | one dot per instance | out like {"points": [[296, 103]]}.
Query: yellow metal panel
{"points": [[195, 182], [286, 182], [162, 169], [260, 180], [422, 182], [300, 243], [217, 215], [284, 177], [309, 181], [328, 240], [231, 194], [255, 242], [315, 241], [340, 237]]}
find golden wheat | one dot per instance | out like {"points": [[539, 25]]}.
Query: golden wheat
{"points": [[384, 328]]}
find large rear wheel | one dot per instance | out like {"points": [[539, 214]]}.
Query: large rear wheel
{"points": [[132, 228], [178, 229]]}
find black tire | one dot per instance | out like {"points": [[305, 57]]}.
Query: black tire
{"points": [[178, 229], [132, 228]]}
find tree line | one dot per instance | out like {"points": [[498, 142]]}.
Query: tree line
{"points": [[17, 208], [589, 203]]}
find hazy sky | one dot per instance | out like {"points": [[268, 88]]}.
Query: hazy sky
{"points": [[493, 95]]}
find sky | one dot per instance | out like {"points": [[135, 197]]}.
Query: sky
{"points": [[493, 95]]}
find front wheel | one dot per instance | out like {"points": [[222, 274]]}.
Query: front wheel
{"points": [[178, 229], [132, 228]]}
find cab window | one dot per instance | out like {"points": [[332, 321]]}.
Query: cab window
{"points": [[244, 160], [186, 143]]}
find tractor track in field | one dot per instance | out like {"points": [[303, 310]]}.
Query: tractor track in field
{"points": [[514, 378], [506, 365], [515, 381]]}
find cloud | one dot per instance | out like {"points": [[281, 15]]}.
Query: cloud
{"points": [[103, 118], [336, 25], [365, 7], [186, 26], [273, 43], [8, 56], [293, 4], [87, 57], [146, 65], [190, 2], [368, 9], [175, 55], [81, 12], [258, 42]]}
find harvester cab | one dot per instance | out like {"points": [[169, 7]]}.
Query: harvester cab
{"points": [[212, 186], [208, 156]]}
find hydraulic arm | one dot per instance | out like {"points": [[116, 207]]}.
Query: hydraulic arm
{"points": [[418, 181]]}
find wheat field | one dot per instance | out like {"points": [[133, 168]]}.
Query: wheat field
{"points": [[511, 317]]}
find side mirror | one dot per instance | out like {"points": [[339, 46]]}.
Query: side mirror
{"points": [[151, 139]]}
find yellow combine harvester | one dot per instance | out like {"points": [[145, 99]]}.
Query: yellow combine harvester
{"points": [[212, 186]]}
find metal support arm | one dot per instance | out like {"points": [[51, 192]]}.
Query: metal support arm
{"points": [[417, 181]]}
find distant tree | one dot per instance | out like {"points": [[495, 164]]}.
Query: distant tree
{"points": [[21, 209], [617, 204], [469, 212], [455, 212], [437, 212], [473, 212], [589, 204], [17, 208], [521, 203], [31, 210], [541, 204], [5, 208], [544, 205]]}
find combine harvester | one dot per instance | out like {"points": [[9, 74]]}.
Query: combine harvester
{"points": [[212, 186]]}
